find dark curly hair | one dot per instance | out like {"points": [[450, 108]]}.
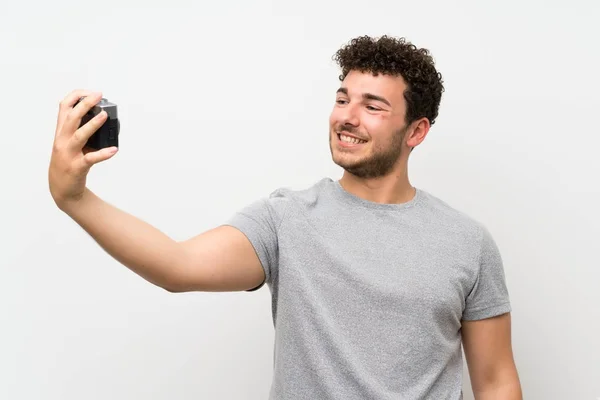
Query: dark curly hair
{"points": [[397, 56]]}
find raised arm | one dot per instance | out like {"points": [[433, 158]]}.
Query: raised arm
{"points": [[221, 259]]}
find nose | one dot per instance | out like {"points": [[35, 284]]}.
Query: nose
{"points": [[349, 116]]}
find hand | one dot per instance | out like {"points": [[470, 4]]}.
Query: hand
{"points": [[71, 160]]}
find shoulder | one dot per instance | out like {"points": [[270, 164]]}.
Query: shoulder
{"points": [[277, 205], [453, 220], [284, 197]]}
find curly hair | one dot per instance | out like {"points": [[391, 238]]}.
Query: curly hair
{"points": [[397, 56]]}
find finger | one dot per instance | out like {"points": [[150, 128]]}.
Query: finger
{"points": [[81, 135], [66, 104], [76, 113], [94, 157]]}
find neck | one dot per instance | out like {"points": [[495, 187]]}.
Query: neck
{"points": [[394, 188]]}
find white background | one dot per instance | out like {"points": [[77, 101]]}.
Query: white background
{"points": [[222, 102]]}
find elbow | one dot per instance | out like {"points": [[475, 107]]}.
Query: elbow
{"points": [[172, 282], [508, 387], [177, 277], [174, 286], [173, 289]]}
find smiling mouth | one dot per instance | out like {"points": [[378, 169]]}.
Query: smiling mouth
{"points": [[350, 139]]}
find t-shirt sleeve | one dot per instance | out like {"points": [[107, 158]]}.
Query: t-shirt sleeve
{"points": [[260, 222], [489, 296]]}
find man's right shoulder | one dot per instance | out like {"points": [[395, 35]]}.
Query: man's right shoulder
{"points": [[279, 202], [303, 195]]}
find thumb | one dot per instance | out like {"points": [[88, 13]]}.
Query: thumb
{"points": [[94, 157]]}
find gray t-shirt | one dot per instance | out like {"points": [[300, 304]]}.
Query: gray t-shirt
{"points": [[368, 298]]}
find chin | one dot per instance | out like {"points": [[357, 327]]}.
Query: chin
{"points": [[346, 161]]}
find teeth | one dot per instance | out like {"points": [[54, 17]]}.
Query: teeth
{"points": [[349, 139]]}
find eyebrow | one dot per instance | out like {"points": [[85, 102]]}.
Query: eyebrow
{"points": [[367, 96]]}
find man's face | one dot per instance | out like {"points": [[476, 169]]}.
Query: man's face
{"points": [[366, 126]]}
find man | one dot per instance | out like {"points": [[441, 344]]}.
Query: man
{"points": [[375, 283]]}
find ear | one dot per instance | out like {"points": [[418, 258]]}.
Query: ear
{"points": [[418, 132]]}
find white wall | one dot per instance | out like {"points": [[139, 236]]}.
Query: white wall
{"points": [[220, 103]]}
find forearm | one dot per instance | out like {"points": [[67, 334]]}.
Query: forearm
{"points": [[134, 243]]}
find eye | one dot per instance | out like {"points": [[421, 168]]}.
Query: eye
{"points": [[371, 108], [341, 101]]}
